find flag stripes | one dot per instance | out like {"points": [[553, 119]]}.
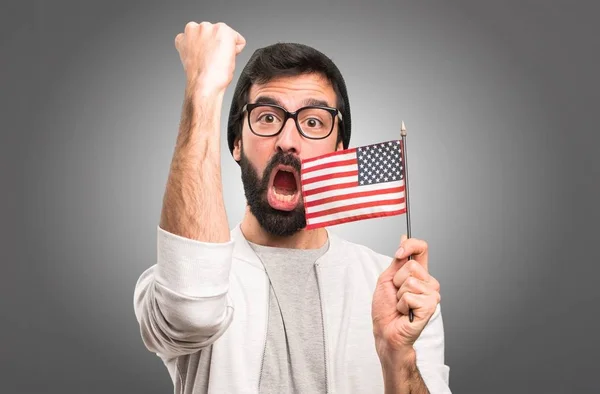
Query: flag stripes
{"points": [[334, 189]]}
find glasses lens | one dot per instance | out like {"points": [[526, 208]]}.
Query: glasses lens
{"points": [[266, 120], [315, 122]]}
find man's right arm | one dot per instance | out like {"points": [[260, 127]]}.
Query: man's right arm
{"points": [[182, 303], [193, 204]]}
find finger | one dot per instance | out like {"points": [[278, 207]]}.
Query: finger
{"points": [[400, 255], [415, 286], [410, 301], [178, 39], [410, 268], [240, 42], [239, 39], [417, 248], [192, 26], [239, 45], [422, 305], [396, 263]]}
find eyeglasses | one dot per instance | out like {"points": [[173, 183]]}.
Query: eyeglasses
{"points": [[314, 122]]}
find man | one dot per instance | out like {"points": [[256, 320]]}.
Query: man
{"points": [[269, 306]]}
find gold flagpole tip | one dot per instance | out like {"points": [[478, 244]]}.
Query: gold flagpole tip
{"points": [[403, 129]]}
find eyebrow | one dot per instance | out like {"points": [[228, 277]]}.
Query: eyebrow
{"points": [[306, 102]]}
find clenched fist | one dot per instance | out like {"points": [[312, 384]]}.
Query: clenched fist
{"points": [[208, 52]]}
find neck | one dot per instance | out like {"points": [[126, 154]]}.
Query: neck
{"points": [[303, 239]]}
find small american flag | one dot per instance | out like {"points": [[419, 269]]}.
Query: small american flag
{"points": [[353, 184]]}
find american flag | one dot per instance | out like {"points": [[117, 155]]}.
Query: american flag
{"points": [[353, 184]]}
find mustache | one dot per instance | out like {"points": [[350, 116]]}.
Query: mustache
{"points": [[281, 158]]}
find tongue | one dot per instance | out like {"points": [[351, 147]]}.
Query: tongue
{"points": [[285, 181]]}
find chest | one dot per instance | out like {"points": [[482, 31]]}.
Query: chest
{"points": [[345, 296]]}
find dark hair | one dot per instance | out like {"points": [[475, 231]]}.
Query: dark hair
{"points": [[280, 60]]}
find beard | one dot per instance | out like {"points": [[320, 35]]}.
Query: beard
{"points": [[273, 221]]}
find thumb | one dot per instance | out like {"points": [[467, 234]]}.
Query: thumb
{"points": [[397, 262], [403, 238], [240, 43]]}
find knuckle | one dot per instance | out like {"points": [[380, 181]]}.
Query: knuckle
{"points": [[404, 298], [191, 26], [399, 307], [413, 266], [396, 279], [399, 294], [178, 38]]}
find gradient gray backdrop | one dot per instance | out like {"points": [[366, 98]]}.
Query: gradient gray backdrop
{"points": [[502, 104]]}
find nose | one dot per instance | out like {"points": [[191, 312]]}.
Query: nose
{"points": [[289, 139]]}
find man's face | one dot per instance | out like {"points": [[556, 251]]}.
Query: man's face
{"points": [[271, 165]]}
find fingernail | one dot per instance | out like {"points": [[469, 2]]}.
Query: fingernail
{"points": [[400, 252]]}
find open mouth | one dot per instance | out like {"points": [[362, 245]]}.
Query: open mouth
{"points": [[284, 188]]}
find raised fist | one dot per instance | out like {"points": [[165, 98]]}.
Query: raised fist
{"points": [[208, 52]]}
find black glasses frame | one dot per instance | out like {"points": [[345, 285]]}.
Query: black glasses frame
{"points": [[294, 115]]}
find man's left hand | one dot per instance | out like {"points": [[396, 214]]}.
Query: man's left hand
{"points": [[404, 285]]}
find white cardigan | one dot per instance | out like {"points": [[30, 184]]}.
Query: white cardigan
{"points": [[200, 294]]}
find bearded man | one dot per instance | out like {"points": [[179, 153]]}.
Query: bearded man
{"points": [[269, 306]]}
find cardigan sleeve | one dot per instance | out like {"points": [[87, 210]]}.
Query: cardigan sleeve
{"points": [[182, 303], [429, 348]]}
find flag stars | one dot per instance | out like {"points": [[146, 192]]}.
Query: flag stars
{"points": [[379, 163]]}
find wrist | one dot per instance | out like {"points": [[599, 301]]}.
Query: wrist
{"points": [[200, 89], [399, 369], [394, 360], [200, 121]]}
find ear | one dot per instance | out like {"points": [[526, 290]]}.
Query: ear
{"points": [[237, 149], [340, 146]]}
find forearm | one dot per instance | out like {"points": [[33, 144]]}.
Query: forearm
{"points": [[401, 375], [193, 205]]}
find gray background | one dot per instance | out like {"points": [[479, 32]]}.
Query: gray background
{"points": [[501, 100]]}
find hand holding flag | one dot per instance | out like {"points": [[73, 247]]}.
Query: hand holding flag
{"points": [[405, 285], [367, 182]]}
